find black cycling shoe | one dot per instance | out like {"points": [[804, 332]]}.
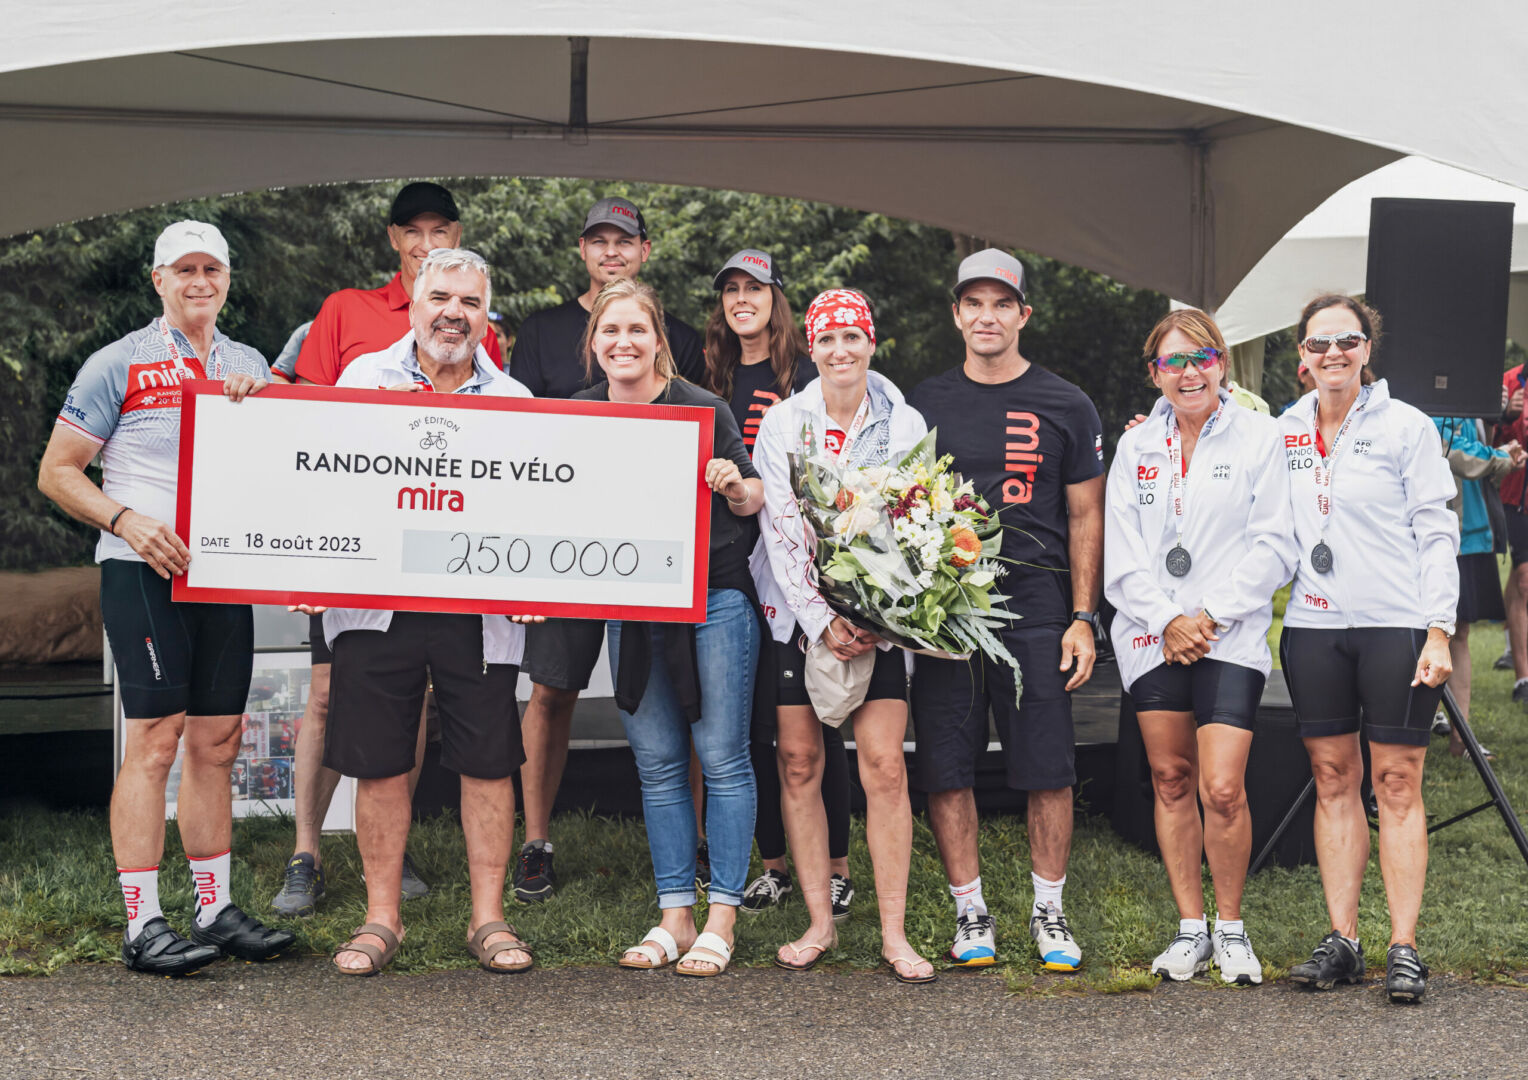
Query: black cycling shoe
{"points": [[1334, 961], [159, 950], [243, 936], [1405, 974], [534, 878]]}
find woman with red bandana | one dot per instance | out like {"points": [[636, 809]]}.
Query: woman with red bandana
{"points": [[755, 358], [859, 416]]}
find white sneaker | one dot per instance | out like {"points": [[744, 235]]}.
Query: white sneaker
{"points": [[1186, 955], [1236, 960], [1053, 938]]}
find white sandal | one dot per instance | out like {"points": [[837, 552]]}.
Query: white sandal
{"points": [[655, 959], [709, 948]]}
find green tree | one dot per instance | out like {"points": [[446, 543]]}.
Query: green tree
{"points": [[69, 290]]}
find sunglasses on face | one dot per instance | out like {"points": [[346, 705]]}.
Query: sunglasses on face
{"points": [[1203, 359], [1321, 344]]}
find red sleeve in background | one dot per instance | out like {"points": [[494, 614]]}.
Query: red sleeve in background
{"points": [[319, 360], [491, 344]]}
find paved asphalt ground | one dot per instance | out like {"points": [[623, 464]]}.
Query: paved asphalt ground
{"points": [[297, 1019]]}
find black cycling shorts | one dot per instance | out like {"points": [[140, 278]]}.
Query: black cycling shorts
{"points": [[174, 657], [888, 679], [561, 653], [1337, 676], [377, 693], [1214, 691]]}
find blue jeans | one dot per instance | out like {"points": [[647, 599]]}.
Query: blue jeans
{"points": [[727, 650]]}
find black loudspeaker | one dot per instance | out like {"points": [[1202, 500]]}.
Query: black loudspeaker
{"points": [[1439, 272]]}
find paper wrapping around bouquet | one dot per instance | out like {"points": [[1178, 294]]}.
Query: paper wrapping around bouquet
{"points": [[836, 687]]}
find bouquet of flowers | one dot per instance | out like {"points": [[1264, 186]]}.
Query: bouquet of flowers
{"points": [[908, 550]]}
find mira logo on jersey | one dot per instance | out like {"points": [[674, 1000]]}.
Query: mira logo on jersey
{"points": [[1020, 457], [154, 386]]}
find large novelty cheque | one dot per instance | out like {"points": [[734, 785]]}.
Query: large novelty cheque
{"points": [[425, 502]]}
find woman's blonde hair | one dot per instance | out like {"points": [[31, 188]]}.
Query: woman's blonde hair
{"points": [[647, 299], [1192, 324]]}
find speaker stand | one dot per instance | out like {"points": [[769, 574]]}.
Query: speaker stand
{"points": [[1498, 797]]}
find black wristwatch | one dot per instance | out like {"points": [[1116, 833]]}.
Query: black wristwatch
{"points": [[1089, 617]]}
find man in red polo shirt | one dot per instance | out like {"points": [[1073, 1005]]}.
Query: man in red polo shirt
{"points": [[352, 323]]}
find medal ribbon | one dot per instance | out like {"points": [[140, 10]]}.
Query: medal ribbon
{"points": [[1326, 467], [858, 425], [193, 364], [1177, 483]]}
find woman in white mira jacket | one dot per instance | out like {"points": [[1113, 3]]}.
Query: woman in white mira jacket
{"points": [[856, 413], [1191, 567], [1367, 628]]}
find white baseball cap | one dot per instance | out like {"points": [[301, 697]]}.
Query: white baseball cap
{"points": [[185, 237]]}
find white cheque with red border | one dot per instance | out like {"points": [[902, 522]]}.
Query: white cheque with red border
{"points": [[436, 502]]}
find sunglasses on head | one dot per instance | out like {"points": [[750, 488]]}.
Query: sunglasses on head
{"points": [[1321, 344], [1201, 358]]}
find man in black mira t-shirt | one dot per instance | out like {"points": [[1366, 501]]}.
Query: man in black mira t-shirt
{"points": [[560, 654], [1032, 444]]}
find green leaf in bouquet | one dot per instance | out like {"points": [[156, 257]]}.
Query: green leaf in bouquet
{"points": [[840, 570], [979, 579], [923, 452]]}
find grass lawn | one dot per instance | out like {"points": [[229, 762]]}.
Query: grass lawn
{"points": [[59, 901]]}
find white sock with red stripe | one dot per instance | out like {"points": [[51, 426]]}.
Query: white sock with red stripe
{"points": [[969, 895], [209, 881], [140, 892]]}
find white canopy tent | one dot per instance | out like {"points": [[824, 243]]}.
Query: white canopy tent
{"points": [[1328, 251], [1145, 141]]}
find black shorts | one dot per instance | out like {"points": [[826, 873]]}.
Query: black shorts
{"points": [[951, 699], [174, 657], [318, 648], [1480, 597], [1336, 676], [561, 653], [378, 689], [1214, 691], [1517, 534], [888, 679]]}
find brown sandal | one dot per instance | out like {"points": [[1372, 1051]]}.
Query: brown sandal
{"points": [[486, 953], [380, 958]]}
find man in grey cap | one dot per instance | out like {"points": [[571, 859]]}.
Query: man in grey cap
{"points": [[560, 654], [1032, 444]]}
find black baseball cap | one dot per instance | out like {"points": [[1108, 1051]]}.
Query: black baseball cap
{"points": [[422, 197]]}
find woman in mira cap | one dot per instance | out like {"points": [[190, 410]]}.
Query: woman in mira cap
{"points": [[857, 415], [1366, 633], [756, 357], [1197, 541]]}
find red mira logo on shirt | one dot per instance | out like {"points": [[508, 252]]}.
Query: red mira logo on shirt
{"points": [[1019, 457], [763, 401]]}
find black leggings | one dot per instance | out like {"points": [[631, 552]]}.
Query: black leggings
{"points": [[769, 826]]}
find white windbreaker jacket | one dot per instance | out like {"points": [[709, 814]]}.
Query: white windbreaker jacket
{"points": [[1236, 528], [782, 565], [1394, 540]]}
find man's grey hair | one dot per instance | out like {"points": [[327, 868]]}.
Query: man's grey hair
{"points": [[451, 260]]}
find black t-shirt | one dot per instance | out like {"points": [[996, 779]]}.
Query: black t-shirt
{"points": [[547, 360], [1021, 443], [730, 537], [755, 392]]}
